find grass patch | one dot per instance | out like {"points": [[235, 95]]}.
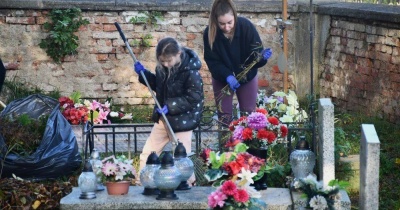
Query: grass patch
{"points": [[389, 172]]}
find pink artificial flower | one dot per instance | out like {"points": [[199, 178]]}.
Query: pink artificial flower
{"points": [[229, 187], [216, 198], [102, 116], [257, 120], [109, 169], [94, 105], [125, 167]]}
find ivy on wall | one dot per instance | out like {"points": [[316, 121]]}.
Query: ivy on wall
{"points": [[61, 40]]}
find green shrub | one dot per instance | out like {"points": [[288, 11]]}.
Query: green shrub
{"points": [[61, 40]]}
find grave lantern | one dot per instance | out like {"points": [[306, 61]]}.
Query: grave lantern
{"points": [[87, 182], [184, 165], [167, 178], [96, 166], [302, 159], [147, 175]]}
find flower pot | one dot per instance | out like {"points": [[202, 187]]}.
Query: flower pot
{"points": [[260, 184], [118, 188]]}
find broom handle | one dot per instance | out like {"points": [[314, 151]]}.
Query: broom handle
{"points": [[170, 132]]}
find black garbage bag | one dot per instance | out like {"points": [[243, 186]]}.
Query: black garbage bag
{"points": [[57, 154]]}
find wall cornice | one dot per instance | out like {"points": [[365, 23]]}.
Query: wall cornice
{"points": [[138, 5], [369, 12]]}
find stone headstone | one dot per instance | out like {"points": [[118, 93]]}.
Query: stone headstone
{"points": [[369, 168], [326, 143]]}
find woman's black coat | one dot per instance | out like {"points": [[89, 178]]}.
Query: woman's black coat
{"points": [[228, 57]]}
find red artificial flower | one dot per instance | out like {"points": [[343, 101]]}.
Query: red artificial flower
{"points": [[271, 137], [75, 116], [247, 134], [284, 130], [232, 168], [233, 124], [241, 159], [273, 120], [65, 100], [242, 118], [205, 154], [261, 110], [232, 142], [262, 134], [241, 196], [255, 163], [229, 188]]}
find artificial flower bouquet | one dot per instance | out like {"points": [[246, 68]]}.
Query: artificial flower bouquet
{"points": [[318, 197], [275, 104], [236, 194], [117, 168], [233, 165], [257, 130], [78, 111]]}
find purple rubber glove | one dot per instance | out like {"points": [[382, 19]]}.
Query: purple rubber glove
{"points": [[266, 53], [232, 82], [162, 110], [138, 67]]}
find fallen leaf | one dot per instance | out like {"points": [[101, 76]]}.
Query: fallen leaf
{"points": [[36, 204]]}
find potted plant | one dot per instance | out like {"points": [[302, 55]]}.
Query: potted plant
{"points": [[117, 173]]}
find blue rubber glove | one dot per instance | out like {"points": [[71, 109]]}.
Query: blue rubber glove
{"points": [[162, 110], [138, 67], [266, 53], [232, 82]]}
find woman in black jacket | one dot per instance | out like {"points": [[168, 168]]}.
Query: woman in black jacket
{"points": [[230, 44], [179, 91]]}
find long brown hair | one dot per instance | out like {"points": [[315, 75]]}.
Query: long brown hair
{"points": [[219, 7]]}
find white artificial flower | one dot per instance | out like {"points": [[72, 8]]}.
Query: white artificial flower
{"points": [[77, 105], [127, 116], [330, 188], [86, 102], [107, 104], [286, 119], [114, 114], [291, 111], [296, 184], [311, 178], [304, 114], [271, 101], [120, 175], [318, 203], [282, 108], [253, 193], [279, 93], [247, 175]]}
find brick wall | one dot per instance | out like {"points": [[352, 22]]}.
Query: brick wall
{"points": [[103, 66], [361, 68]]}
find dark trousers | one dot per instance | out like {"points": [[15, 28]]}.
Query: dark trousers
{"points": [[246, 95]]}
